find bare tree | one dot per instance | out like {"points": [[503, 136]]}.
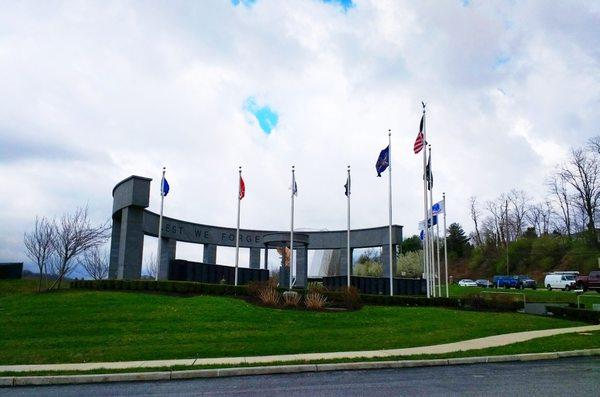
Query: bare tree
{"points": [[152, 266], [475, 217], [38, 245], [74, 234], [581, 173], [518, 202], [558, 189], [95, 263]]}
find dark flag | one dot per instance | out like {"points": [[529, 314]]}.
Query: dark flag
{"points": [[420, 141], [347, 186], [383, 161], [165, 187], [242, 192], [429, 174]]}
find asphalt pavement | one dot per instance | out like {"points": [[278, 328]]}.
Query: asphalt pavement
{"points": [[576, 376]]}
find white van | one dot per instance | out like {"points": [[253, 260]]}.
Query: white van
{"points": [[560, 281]]}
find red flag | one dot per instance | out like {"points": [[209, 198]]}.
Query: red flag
{"points": [[242, 188], [420, 141]]}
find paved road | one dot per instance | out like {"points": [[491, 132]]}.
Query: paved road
{"points": [[580, 377]]}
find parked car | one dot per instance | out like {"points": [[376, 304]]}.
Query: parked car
{"points": [[484, 283], [505, 281], [526, 282], [590, 282], [466, 282], [560, 281]]}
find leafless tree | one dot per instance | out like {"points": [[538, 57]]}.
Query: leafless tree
{"points": [[74, 234], [517, 199], [38, 245], [475, 214], [152, 266], [558, 189], [539, 216], [581, 173], [95, 263]]}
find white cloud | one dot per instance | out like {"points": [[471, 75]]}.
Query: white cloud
{"points": [[125, 88]]}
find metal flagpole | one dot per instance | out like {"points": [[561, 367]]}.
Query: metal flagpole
{"points": [[431, 246], [348, 256], [160, 218], [390, 227], [292, 226], [426, 212], [445, 246], [237, 233], [437, 248]]}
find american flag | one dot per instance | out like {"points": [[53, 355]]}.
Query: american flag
{"points": [[420, 141]]}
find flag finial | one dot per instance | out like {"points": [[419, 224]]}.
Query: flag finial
{"points": [[389, 132]]}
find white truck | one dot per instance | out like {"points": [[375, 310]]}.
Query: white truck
{"points": [[560, 280]]}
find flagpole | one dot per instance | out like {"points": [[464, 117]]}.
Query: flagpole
{"points": [[426, 213], [431, 245], [437, 248], [292, 227], [445, 246], [160, 219], [390, 227], [237, 232], [348, 233]]}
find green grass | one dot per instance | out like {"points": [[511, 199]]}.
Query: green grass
{"points": [[565, 342], [538, 295], [88, 326]]}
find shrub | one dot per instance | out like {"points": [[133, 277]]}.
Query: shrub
{"points": [[315, 301], [350, 298], [269, 296], [410, 264], [368, 269], [291, 298], [316, 287], [588, 316]]}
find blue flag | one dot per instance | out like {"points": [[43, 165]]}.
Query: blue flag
{"points": [[165, 187], [383, 161]]}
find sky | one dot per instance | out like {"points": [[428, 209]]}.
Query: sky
{"points": [[93, 92]]}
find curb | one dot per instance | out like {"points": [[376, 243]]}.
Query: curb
{"points": [[282, 369]]}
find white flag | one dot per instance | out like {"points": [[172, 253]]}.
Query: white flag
{"points": [[438, 208]]}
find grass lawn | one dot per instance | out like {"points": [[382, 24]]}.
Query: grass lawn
{"points": [[537, 295], [80, 326]]}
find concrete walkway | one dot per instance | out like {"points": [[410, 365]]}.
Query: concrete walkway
{"points": [[472, 344]]}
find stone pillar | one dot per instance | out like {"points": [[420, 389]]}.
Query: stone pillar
{"points": [[113, 267], [131, 244], [301, 267], [210, 254], [254, 258], [284, 274], [343, 262], [168, 248], [385, 257], [266, 258]]}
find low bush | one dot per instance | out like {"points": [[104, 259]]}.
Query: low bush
{"points": [[269, 296], [317, 287], [570, 313], [315, 301], [349, 297], [291, 298]]}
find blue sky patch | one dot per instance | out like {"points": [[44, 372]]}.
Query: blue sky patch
{"points": [[346, 4], [501, 60], [247, 3], [267, 118]]}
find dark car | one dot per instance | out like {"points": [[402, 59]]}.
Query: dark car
{"points": [[526, 282], [484, 283]]}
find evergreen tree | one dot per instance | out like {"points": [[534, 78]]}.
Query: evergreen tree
{"points": [[458, 242], [412, 244]]}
